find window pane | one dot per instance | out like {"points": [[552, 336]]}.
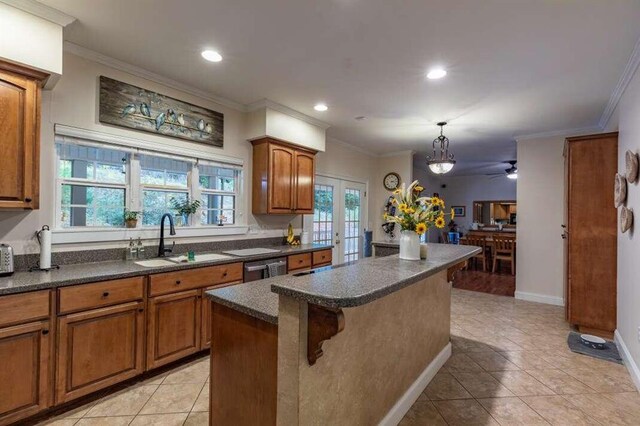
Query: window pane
{"points": [[95, 164], [157, 203], [217, 178], [92, 206], [164, 171], [212, 217]]}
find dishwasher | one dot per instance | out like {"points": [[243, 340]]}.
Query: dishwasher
{"points": [[267, 268]]}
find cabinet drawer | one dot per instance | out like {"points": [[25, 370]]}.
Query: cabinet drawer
{"points": [[322, 257], [298, 261], [194, 278], [21, 308], [96, 295]]}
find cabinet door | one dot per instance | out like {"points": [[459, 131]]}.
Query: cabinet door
{"points": [[281, 179], [25, 372], [206, 315], [99, 348], [19, 133], [173, 329], [304, 189]]}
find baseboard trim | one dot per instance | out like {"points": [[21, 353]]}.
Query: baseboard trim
{"points": [[539, 298], [402, 406], [631, 365]]}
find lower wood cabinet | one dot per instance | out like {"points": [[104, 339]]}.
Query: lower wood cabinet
{"points": [[206, 315], [99, 348], [25, 372], [173, 327]]}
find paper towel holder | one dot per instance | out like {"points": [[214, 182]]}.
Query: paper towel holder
{"points": [[37, 267]]}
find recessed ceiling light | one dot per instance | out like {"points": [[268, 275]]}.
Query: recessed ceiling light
{"points": [[436, 73], [321, 107], [211, 55]]}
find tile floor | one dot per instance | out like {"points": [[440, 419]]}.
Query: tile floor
{"points": [[510, 366]]}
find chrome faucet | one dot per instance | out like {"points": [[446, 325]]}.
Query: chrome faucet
{"points": [[172, 231]]}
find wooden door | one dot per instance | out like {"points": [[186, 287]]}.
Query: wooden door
{"points": [[99, 348], [281, 179], [25, 372], [304, 176], [19, 135], [173, 327], [592, 231]]}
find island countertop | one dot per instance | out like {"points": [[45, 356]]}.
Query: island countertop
{"points": [[350, 285]]}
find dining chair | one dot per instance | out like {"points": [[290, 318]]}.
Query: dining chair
{"points": [[478, 241], [504, 248]]}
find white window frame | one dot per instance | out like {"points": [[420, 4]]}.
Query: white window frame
{"points": [[235, 193], [133, 188]]}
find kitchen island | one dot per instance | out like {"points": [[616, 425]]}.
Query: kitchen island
{"points": [[354, 344]]}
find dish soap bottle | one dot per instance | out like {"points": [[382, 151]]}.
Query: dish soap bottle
{"points": [[131, 250], [140, 249]]}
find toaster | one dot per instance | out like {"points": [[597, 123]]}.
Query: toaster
{"points": [[6, 260]]}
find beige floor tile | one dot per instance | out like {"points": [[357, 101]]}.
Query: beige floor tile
{"points": [[601, 380], [197, 419], [175, 419], [445, 386], [105, 421], [126, 403], [512, 411], [461, 362], [560, 382], [464, 412], [603, 409], [423, 413], [521, 383], [155, 380], [202, 403], [628, 401], [558, 411], [173, 399], [482, 385], [58, 422], [198, 372], [527, 359], [492, 361], [77, 413]]}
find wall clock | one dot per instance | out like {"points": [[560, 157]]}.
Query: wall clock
{"points": [[391, 181]]}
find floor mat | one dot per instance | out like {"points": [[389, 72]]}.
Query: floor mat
{"points": [[609, 354]]}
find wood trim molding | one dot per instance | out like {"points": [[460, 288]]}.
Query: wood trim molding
{"points": [[280, 142], [25, 71], [323, 324]]}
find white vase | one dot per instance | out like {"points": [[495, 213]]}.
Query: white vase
{"points": [[409, 245]]}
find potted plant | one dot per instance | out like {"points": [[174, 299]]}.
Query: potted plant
{"points": [[131, 218], [185, 208], [415, 215]]}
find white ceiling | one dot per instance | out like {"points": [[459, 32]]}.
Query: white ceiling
{"points": [[515, 67]]}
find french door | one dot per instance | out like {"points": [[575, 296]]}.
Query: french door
{"points": [[339, 217]]}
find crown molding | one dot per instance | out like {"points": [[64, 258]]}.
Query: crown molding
{"points": [[628, 73], [557, 133], [352, 147], [41, 11], [266, 103], [91, 55]]}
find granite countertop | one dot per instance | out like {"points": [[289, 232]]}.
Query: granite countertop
{"points": [[83, 273], [349, 285]]}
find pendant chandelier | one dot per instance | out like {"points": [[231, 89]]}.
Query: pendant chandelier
{"points": [[441, 162]]}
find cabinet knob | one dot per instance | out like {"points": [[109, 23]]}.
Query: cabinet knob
{"points": [[178, 282], [141, 310], [105, 294], [28, 200], [45, 332], [224, 274]]}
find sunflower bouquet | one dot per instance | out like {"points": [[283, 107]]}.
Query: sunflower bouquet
{"points": [[416, 213]]}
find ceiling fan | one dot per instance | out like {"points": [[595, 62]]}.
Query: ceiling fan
{"points": [[511, 172]]}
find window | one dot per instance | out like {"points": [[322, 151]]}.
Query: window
{"points": [[218, 188], [351, 224], [323, 215], [93, 186], [96, 183]]}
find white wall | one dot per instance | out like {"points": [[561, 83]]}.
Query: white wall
{"points": [[628, 125], [276, 124], [464, 190], [74, 102], [29, 40], [540, 253]]}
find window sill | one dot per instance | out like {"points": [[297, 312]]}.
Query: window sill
{"points": [[94, 235]]}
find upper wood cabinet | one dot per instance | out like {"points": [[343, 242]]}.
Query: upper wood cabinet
{"points": [[19, 136], [283, 177]]}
